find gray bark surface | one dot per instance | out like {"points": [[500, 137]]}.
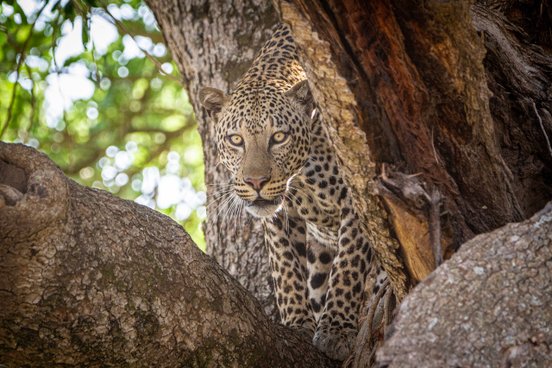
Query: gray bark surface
{"points": [[488, 306], [213, 43], [90, 280]]}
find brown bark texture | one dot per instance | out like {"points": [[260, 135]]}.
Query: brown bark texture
{"points": [[90, 280], [457, 95], [488, 306], [213, 43]]}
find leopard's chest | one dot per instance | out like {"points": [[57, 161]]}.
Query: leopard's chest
{"points": [[318, 193], [320, 208], [322, 235]]}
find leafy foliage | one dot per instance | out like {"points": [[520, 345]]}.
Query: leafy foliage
{"points": [[93, 86]]}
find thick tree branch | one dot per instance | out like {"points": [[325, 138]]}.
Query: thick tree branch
{"points": [[489, 305], [87, 279]]}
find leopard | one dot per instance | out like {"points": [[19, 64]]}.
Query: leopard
{"points": [[270, 136]]}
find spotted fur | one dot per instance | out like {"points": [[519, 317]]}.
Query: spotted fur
{"points": [[319, 255]]}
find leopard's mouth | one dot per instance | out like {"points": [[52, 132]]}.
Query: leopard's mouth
{"points": [[261, 202], [262, 207]]}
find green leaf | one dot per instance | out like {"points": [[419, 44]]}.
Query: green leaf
{"points": [[91, 3], [69, 11], [71, 60], [23, 33], [85, 30]]}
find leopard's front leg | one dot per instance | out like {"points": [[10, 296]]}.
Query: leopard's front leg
{"points": [[337, 327], [319, 263], [286, 241]]}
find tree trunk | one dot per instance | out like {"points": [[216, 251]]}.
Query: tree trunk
{"points": [[87, 279], [214, 42], [488, 306]]}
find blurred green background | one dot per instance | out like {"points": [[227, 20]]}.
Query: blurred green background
{"points": [[92, 85]]}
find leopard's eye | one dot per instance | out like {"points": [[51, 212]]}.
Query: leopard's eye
{"points": [[279, 137], [235, 140]]}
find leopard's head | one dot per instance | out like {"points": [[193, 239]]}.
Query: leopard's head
{"points": [[263, 138]]}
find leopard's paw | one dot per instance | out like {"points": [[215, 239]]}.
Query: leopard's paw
{"points": [[305, 328], [336, 345], [305, 332]]}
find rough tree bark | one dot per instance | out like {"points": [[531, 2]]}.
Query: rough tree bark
{"points": [[87, 279], [507, 324], [214, 42]]}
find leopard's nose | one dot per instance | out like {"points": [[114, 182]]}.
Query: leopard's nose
{"points": [[257, 183]]}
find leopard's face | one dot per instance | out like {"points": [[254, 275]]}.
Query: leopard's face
{"points": [[263, 138]]}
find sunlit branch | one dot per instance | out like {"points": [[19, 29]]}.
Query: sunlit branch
{"points": [[123, 29], [33, 102], [22, 56]]}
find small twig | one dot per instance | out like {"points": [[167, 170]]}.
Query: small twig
{"points": [[542, 128], [384, 172], [123, 29], [12, 99], [387, 307], [435, 226], [433, 146], [374, 306], [15, 84], [33, 103]]}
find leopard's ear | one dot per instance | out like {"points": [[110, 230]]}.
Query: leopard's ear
{"points": [[212, 99], [301, 93]]}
